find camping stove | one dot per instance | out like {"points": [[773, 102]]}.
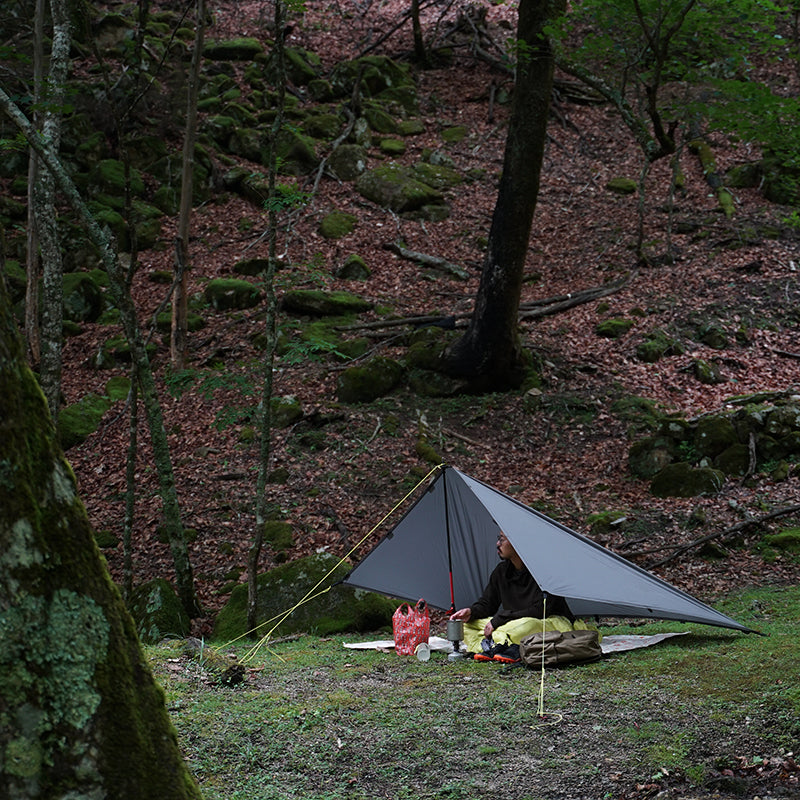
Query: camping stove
{"points": [[455, 633]]}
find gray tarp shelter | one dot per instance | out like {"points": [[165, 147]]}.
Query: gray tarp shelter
{"points": [[444, 548]]}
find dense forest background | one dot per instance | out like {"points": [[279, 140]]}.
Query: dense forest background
{"points": [[697, 253]]}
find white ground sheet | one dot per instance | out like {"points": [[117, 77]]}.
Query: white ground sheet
{"points": [[610, 644]]}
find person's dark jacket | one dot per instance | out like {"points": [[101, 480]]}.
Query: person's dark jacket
{"points": [[513, 593]]}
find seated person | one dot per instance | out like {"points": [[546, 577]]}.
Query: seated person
{"points": [[511, 607]]}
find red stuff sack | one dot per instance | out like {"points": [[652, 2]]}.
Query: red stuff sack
{"points": [[411, 626]]}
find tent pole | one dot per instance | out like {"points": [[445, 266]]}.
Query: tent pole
{"points": [[447, 531]]}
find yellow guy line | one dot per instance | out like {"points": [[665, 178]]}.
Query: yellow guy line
{"points": [[312, 593]]}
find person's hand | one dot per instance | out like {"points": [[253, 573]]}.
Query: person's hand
{"points": [[462, 614], [487, 631]]}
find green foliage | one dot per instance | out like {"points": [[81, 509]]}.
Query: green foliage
{"points": [[704, 51], [287, 197]]}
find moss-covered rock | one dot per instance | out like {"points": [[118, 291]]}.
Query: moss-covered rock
{"points": [[395, 187], [83, 298], [431, 383], [337, 224], [706, 371], [734, 460], [108, 176], [242, 49], [322, 126], [787, 540], [621, 186], [318, 303], [341, 609], [613, 328], [77, 421], [295, 152], [454, 134], [376, 73], [348, 161], [157, 612], [683, 480], [363, 384], [230, 293], [657, 344], [16, 280], [714, 434], [354, 268], [439, 176], [285, 411], [392, 147], [647, 457], [118, 388], [251, 266]]}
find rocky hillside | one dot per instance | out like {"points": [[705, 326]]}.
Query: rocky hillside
{"points": [[388, 203]]}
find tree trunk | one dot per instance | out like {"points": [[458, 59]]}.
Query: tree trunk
{"points": [[33, 270], [265, 421], [82, 715], [46, 217], [489, 356], [124, 303], [179, 327]]}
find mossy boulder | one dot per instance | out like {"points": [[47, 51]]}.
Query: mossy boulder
{"points": [[322, 126], [285, 411], [348, 161], [431, 383], [337, 224], [241, 49], [425, 348], [454, 134], [318, 303], [734, 460], [787, 540], [354, 268], [295, 152], [157, 612], [77, 421], [657, 344], [392, 147], [713, 435], [613, 328], [224, 294], [439, 176], [395, 187], [683, 480], [341, 609], [83, 298], [108, 177], [379, 120], [783, 421], [251, 266], [621, 186], [647, 457], [16, 280], [363, 384], [376, 73]]}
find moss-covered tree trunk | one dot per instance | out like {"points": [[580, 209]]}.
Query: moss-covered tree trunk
{"points": [[46, 216], [488, 355], [80, 713]]}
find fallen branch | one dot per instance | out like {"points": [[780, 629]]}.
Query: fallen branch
{"points": [[529, 310], [727, 533], [543, 308], [435, 262]]}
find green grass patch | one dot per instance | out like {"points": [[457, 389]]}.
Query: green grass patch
{"points": [[316, 720]]}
